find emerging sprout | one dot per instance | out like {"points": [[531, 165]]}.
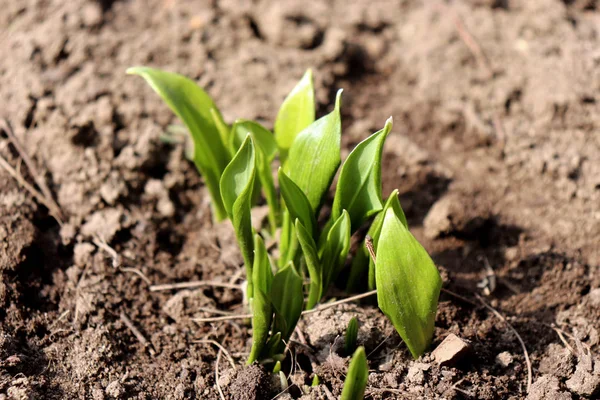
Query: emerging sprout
{"points": [[351, 335], [356, 379]]}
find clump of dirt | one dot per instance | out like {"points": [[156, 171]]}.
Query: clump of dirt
{"points": [[494, 151]]}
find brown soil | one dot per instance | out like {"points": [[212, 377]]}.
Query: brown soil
{"points": [[496, 155]]}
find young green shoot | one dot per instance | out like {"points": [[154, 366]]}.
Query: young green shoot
{"points": [[408, 282], [351, 336], [356, 379]]}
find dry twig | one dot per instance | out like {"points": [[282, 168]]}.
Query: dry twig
{"points": [[337, 303], [217, 374], [138, 335], [117, 260], [501, 318], [560, 332], [37, 177], [138, 273], [38, 196], [220, 346], [101, 244], [192, 285], [314, 310], [472, 44]]}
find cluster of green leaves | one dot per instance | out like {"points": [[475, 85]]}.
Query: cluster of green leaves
{"points": [[237, 161]]}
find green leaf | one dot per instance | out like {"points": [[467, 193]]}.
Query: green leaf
{"points": [[222, 128], [315, 156], [193, 106], [296, 113], [336, 249], [375, 231], [315, 381], [361, 263], [262, 311], [313, 264], [237, 184], [263, 139], [359, 271], [266, 150], [288, 299], [351, 335], [283, 381], [288, 242], [357, 377], [296, 202], [359, 186], [408, 283], [273, 346]]}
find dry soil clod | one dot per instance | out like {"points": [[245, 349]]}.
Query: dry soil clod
{"points": [[451, 350]]}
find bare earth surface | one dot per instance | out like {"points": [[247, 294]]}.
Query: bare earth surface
{"points": [[495, 150]]}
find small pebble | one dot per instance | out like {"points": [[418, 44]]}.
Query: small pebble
{"points": [[504, 359], [450, 350]]}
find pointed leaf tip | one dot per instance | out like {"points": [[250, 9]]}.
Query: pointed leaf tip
{"points": [[389, 122], [296, 113], [359, 186], [338, 99], [314, 156]]}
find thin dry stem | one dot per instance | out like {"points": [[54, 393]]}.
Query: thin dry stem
{"points": [[559, 332], [378, 346], [214, 311], [458, 296], [221, 348], [472, 44], [138, 273], [342, 301], [101, 244], [370, 248], [38, 196], [37, 177], [136, 332], [192, 285], [217, 374], [501, 318], [322, 307], [314, 310], [224, 318], [118, 260]]}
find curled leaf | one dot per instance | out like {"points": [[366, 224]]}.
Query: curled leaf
{"points": [[288, 299], [335, 249], [359, 186], [196, 109], [266, 148], [408, 283], [315, 156], [237, 183], [262, 311], [296, 202], [296, 113], [313, 264]]}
